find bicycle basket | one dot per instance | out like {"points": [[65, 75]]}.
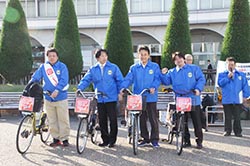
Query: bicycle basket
{"points": [[82, 105], [134, 103], [183, 104]]}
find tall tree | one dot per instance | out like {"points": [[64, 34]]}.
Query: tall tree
{"points": [[236, 42], [67, 38], [118, 39], [16, 53], [177, 36]]}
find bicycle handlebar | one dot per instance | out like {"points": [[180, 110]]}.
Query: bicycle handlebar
{"points": [[143, 91], [167, 90]]}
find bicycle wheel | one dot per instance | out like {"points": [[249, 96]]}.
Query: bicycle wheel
{"points": [[135, 134], [25, 134], [44, 128], [179, 135], [82, 135], [95, 130]]}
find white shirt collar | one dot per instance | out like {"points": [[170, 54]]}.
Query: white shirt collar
{"points": [[102, 65]]}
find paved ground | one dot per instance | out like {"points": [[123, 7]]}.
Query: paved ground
{"points": [[217, 150]]}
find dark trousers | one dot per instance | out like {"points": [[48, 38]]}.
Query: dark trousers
{"points": [[196, 118], [151, 114], [232, 110], [108, 111]]}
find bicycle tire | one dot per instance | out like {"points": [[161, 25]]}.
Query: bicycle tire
{"points": [[25, 132], [95, 130], [135, 134], [44, 129], [82, 135], [180, 135]]}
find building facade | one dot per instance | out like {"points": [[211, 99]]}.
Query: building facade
{"points": [[148, 20]]}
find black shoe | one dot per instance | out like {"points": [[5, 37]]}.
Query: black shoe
{"points": [[111, 145], [199, 146], [103, 144], [238, 135], [56, 142], [186, 145], [227, 134], [65, 143]]}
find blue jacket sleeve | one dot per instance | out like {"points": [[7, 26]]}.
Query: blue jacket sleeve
{"points": [[64, 79], [245, 86], [200, 79], [157, 81], [166, 79], [223, 79], [118, 78], [128, 80], [38, 75], [86, 80]]}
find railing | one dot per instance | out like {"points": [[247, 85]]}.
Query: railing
{"points": [[210, 75]]}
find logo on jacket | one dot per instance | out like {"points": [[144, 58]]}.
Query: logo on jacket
{"points": [[109, 72], [151, 71], [190, 74], [239, 77], [49, 71], [58, 72]]}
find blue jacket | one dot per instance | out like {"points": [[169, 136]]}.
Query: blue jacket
{"points": [[62, 74], [231, 87], [141, 78], [109, 84], [184, 81]]}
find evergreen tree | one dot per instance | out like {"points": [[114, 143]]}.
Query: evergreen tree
{"points": [[16, 53], [177, 37], [236, 42], [118, 39], [67, 38]]}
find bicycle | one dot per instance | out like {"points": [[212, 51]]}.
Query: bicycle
{"points": [[134, 105], [88, 121], [175, 118], [28, 128]]}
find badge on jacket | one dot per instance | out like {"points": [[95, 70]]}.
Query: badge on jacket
{"points": [[58, 72], [151, 71], [239, 77], [109, 72], [190, 74]]}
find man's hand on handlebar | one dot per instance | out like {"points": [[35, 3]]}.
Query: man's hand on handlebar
{"points": [[152, 90]]}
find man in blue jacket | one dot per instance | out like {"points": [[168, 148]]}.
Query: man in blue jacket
{"points": [[234, 91], [146, 75], [107, 79], [56, 78], [187, 80]]}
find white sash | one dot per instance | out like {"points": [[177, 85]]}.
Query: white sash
{"points": [[50, 73]]}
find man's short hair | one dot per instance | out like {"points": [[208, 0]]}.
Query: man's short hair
{"points": [[144, 48], [179, 54], [208, 60], [99, 52], [188, 56], [52, 50], [231, 59]]}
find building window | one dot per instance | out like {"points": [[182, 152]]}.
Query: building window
{"points": [[227, 3], [205, 4], [105, 6], [86, 7], [51, 8], [31, 8], [168, 5], [145, 6], [2, 8], [217, 4], [192, 4]]}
